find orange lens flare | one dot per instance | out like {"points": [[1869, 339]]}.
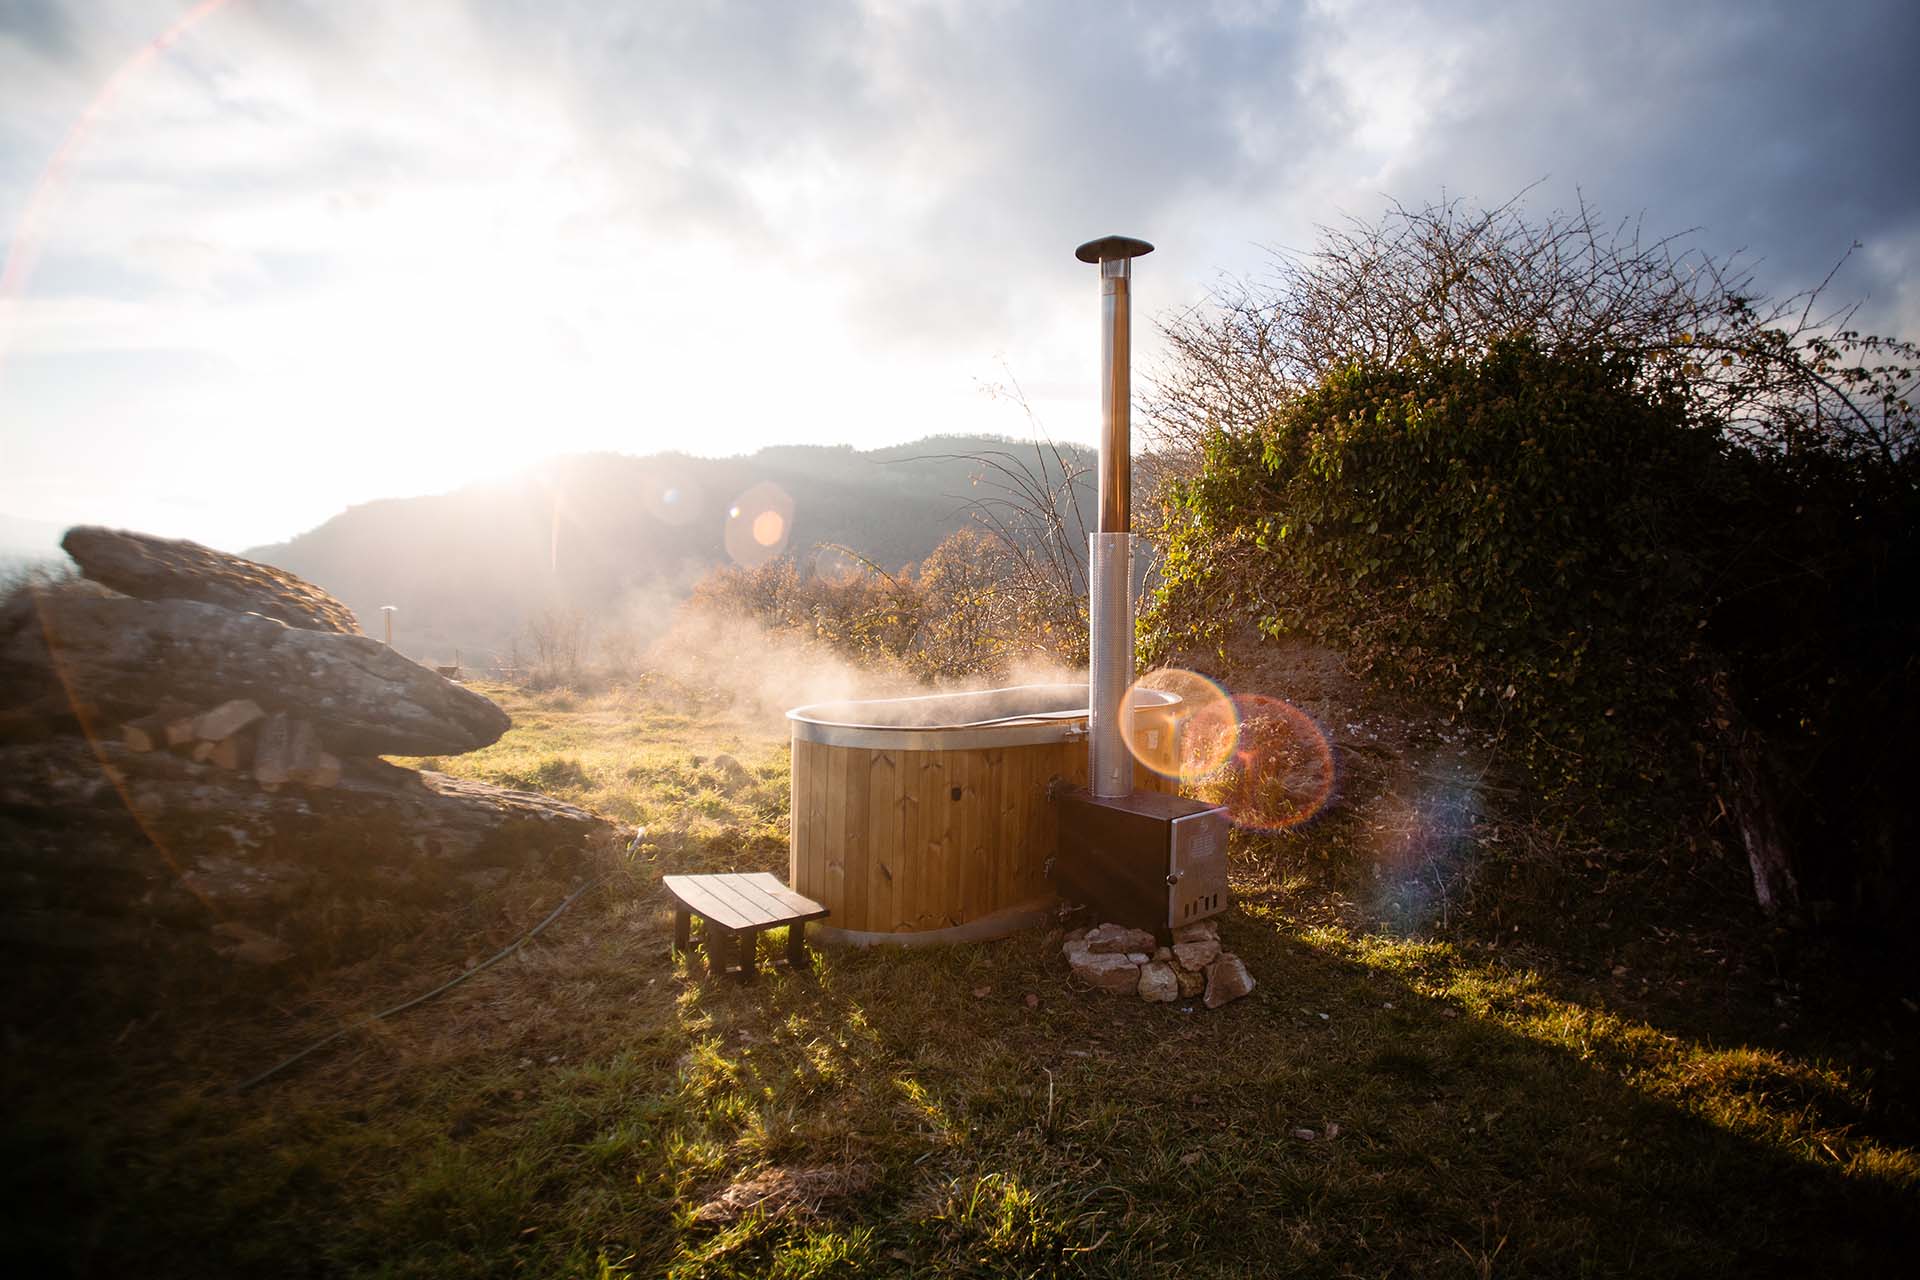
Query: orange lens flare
{"points": [[1188, 740], [758, 524]]}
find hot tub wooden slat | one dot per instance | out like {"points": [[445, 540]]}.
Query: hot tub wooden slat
{"points": [[809, 791], [910, 869], [987, 856], [854, 851], [834, 850], [966, 816], [883, 836], [1012, 807], [930, 787], [800, 838]]}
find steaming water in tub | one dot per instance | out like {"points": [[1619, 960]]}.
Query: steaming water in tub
{"points": [[926, 819]]}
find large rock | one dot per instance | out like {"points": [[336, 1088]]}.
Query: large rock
{"points": [[1227, 979], [1105, 971], [125, 656], [99, 832], [149, 568]]}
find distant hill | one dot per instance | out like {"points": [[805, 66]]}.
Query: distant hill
{"points": [[624, 537]]}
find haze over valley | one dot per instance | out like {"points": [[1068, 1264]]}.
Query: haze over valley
{"points": [[622, 538]]}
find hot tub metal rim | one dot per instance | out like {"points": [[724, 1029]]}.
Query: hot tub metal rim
{"points": [[1017, 729]]}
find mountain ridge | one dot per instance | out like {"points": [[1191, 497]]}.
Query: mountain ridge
{"points": [[622, 537]]}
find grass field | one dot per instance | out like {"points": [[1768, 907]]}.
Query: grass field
{"points": [[1564, 1076]]}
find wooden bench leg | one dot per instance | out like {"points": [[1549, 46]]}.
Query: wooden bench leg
{"points": [[719, 947], [797, 945], [682, 931], [746, 943]]}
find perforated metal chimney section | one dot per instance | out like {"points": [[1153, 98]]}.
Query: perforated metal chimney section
{"points": [[1110, 550]]}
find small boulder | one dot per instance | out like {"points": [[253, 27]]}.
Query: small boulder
{"points": [[1197, 954], [1227, 979], [1158, 983], [1117, 938], [1192, 981], [1198, 930], [1105, 971]]}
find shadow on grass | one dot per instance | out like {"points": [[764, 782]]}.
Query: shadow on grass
{"points": [[598, 1111]]}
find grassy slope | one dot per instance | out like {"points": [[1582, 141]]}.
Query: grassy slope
{"points": [[1494, 1101]]}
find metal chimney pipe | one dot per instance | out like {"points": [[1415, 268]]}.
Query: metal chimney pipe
{"points": [[1110, 550]]}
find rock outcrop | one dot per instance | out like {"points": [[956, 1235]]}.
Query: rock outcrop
{"points": [[196, 762], [125, 656], [96, 832], [149, 568]]}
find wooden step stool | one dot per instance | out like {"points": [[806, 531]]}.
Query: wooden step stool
{"points": [[736, 906]]}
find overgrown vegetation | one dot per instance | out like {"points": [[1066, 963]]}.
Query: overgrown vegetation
{"points": [[1616, 1085], [1596, 496]]}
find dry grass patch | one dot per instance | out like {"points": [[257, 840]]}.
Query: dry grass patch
{"points": [[593, 1108]]}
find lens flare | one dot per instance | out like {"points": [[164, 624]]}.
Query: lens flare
{"points": [[1281, 773], [837, 566], [758, 524], [673, 498], [1191, 738]]}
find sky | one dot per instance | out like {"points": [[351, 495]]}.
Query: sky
{"points": [[268, 258]]}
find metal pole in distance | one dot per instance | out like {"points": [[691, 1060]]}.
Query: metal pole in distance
{"points": [[1110, 550]]}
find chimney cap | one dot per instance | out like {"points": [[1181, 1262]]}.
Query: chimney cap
{"points": [[1107, 248]]}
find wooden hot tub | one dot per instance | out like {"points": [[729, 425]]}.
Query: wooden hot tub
{"points": [[926, 819]]}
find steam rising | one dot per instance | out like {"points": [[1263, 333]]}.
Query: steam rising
{"points": [[762, 674]]}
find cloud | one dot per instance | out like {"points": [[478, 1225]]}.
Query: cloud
{"points": [[748, 222], [41, 25], [1774, 128]]}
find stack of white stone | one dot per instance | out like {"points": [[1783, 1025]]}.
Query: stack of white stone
{"points": [[1123, 961]]}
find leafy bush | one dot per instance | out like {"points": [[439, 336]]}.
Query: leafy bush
{"points": [[1557, 544], [1525, 536]]}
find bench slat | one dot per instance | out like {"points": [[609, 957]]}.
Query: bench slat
{"points": [[743, 900], [779, 908], [702, 901], [755, 909], [797, 906]]}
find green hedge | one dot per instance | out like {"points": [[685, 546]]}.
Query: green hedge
{"points": [[1531, 538]]}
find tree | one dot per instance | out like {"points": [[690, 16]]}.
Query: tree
{"points": [[557, 638]]}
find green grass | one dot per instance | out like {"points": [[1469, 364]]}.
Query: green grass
{"points": [[1519, 1093]]}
